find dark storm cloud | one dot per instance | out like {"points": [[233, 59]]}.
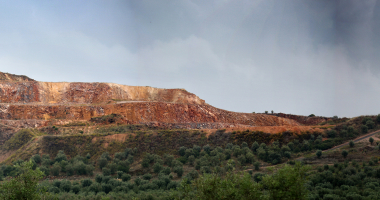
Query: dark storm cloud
{"points": [[291, 56]]}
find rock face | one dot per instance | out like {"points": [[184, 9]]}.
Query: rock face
{"points": [[13, 78], [142, 112], [22, 98], [89, 93]]}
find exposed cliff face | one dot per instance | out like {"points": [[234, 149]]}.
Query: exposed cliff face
{"points": [[142, 112], [90, 93], [13, 78]]}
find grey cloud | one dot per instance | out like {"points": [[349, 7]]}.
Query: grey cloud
{"points": [[291, 56]]}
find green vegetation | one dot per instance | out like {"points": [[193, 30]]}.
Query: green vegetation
{"points": [[19, 139], [150, 163]]}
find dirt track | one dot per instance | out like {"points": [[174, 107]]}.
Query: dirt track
{"points": [[355, 140]]}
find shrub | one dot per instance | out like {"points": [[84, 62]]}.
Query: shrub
{"points": [[179, 171], [242, 159], [45, 170], [250, 158], [257, 166], [319, 153], [182, 151], [191, 160], [352, 143], [331, 133], [147, 176], [60, 156], [102, 162], [55, 169], [207, 149], [371, 140], [364, 128], [80, 168], [99, 178], [370, 124], [86, 182], [287, 154], [157, 168], [168, 159], [66, 185], [255, 146], [106, 171], [37, 158], [126, 177], [75, 189], [344, 153], [166, 170]]}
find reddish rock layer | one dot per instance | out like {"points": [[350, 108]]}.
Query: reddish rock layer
{"points": [[142, 112], [89, 93]]}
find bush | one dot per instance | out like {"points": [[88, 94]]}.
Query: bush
{"points": [[331, 133], [55, 169], [344, 153], [250, 158], [364, 128], [99, 178], [37, 158], [86, 182], [147, 176], [157, 168], [242, 160], [182, 151], [179, 171], [66, 185], [166, 170], [371, 140], [102, 162], [80, 168], [106, 171], [255, 146], [60, 156], [319, 153], [257, 166], [370, 124], [45, 170], [352, 143], [126, 177], [119, 174]]}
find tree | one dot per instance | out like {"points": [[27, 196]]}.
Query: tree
{"points": [[319, 153], [352, 143], [311, 115], [364, 128], [179, 171], [370, 124], [25, 185], [257, 166], [255, 146], [371, 140], [182, 151], [344, 153], [287, 183], [102, 162]]}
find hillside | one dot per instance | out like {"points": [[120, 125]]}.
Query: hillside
{"points": [[100, 133]]}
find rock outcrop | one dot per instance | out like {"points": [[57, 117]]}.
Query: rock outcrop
{"points": [[89, 93], [141, 112], [22, 98], [13, 78]]}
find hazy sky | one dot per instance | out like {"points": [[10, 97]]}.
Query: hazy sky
{"points": [[291, 56]]}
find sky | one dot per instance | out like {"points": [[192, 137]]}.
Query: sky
{"points": [[291, 56]]}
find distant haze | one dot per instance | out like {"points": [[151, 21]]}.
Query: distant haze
{"points": [[290, 56]]}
